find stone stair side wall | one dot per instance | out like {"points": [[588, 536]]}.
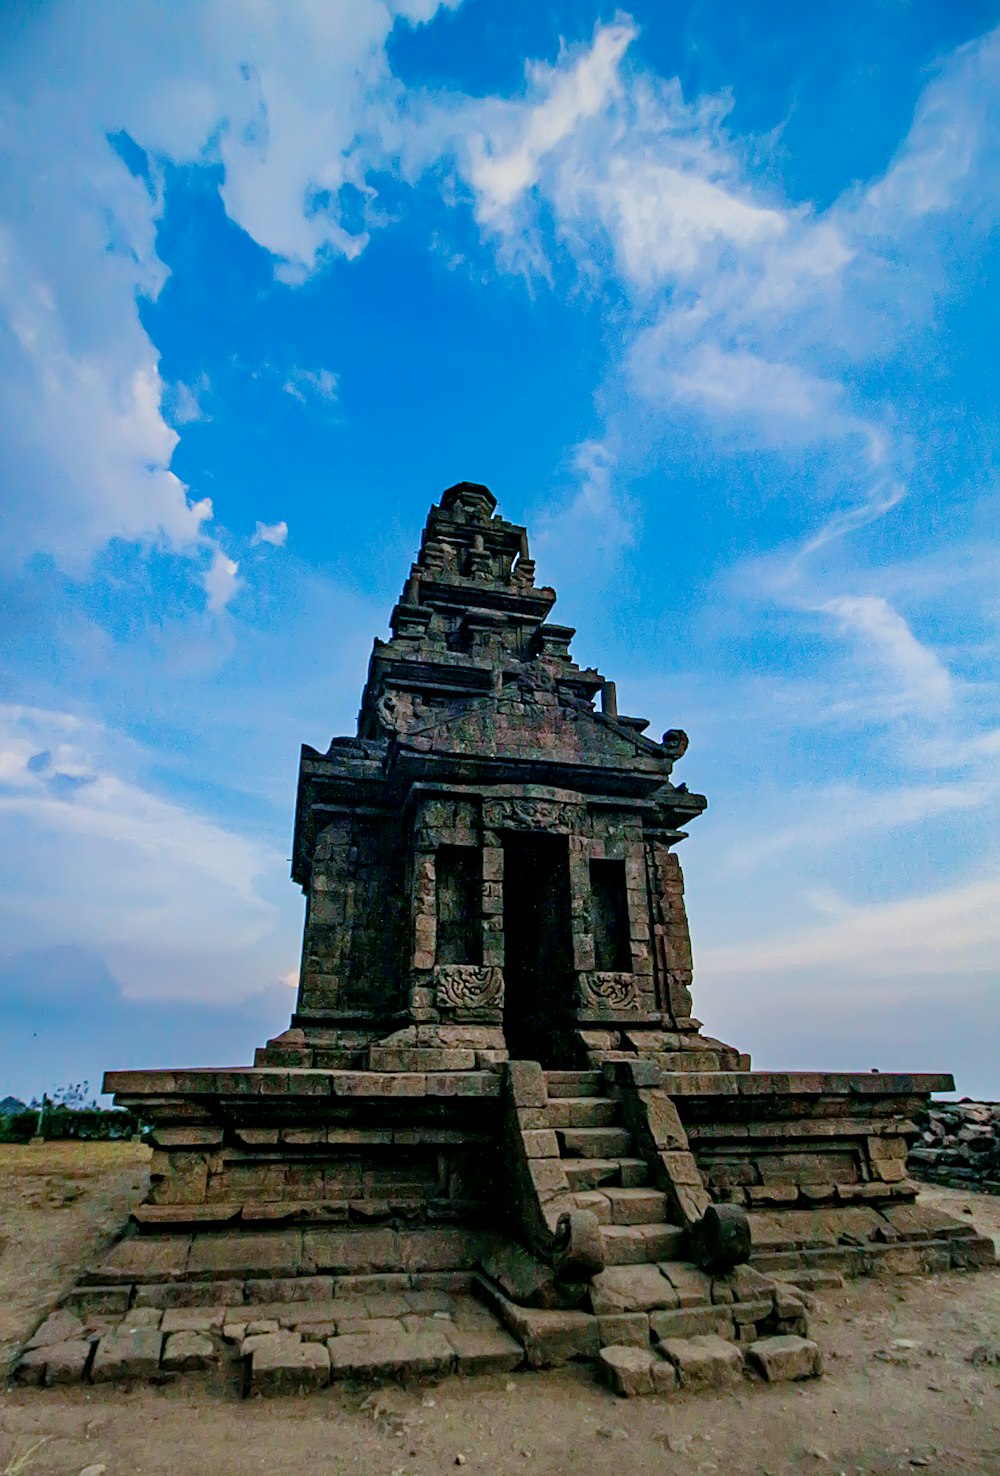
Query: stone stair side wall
{"points": [[532, 1166]]}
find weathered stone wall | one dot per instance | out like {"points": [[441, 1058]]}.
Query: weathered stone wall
{"points": [[766, 1139], [671, 937], [352, 943]]}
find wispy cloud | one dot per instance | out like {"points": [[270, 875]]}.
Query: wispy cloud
{"points": [[276, 534], [884, 636], [954, 929], [311, 384]]}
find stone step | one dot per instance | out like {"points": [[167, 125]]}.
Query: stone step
{"points": [[614, 1205], [582, 1112], [592, 1173], [575, 1083], [631, 1245], [595, 1142]]}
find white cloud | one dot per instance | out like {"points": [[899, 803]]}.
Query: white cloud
{"points": [[276, 534], [506, 157], [737, 303], [282, 99], [883, 635], [92, 856], [955, 929], [220, 581], [785, 403], [951, 136]]}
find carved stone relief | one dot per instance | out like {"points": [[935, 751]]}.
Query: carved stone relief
{"points": [[601, 990], [557, 816], [468, 986]]}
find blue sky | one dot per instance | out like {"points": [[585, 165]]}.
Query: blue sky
{"points": [[705, 293]]}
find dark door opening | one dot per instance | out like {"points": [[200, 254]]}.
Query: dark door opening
{"points": [[538, 948]]}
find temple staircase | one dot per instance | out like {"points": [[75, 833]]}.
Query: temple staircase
{"points": [[605, 1173]]}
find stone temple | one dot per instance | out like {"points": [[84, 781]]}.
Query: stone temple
{"points": [[495, 1131]]}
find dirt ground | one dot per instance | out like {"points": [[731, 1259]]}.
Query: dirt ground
{"points": [[899, 1393]]}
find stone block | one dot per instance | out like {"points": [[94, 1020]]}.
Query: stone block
{"points": [[429, 1301], [377, 1084], [540, 1144], [188, 1137], [624, 1329], [703, 1362], [627, 1370], [127, 1353], [289, 1289], [687, 1203], [99, 1300], [372, 1326], [692, 1285], [187, 1351], [274, 1252], [377, 1283], [66, 1363], [597, 1202], [548, 1177], [624, 1245], [680, 1169], [663, 1120], [421, 1058], [270, 1333], [526, 1082], [396, 1353], [484, 1348], [59, 1327], [787, 1305], [447, 1248], [519, 1275], [190, 1294], [641, 1288], [145, 1258], [973, 1253], [663, 1242], [30, 1367], [142, 1317], [351, 1252], [640, 1206], [784, 1359], [551, 1338], [691, 1322], [279, 1366], [192, 1319], [744, 1313]]}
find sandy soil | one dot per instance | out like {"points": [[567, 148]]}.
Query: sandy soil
{"points": [[899, 1394]]}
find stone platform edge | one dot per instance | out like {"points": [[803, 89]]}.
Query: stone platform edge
{"points": [[805, 1083], [248, 1081]]}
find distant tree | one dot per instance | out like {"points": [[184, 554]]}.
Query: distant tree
{"points": [[71, 1112]]}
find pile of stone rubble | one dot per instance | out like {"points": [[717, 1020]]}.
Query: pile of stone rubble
{"points": [[959, 1144]]}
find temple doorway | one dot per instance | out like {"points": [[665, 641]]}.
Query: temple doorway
{"points": [[538, 948]]}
